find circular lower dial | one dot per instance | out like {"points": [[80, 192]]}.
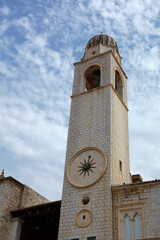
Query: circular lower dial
{"points": [[86, 167]]}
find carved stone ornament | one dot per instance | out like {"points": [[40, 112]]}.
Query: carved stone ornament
{"points": [[84, 218], [86, 167]]}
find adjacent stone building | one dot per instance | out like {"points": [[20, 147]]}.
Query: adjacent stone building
{"points": [[14, 195], [101, 200], [136, 211]]}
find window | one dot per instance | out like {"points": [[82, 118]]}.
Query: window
{"points": [[131, 221], [136, 227], [120, 165], [127, 228], [118, 84], [92, 77], [91, 238]]}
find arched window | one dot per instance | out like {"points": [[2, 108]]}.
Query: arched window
{"points": [[131, 222], [127, 228], [136, 227], [118, 84], [92, 77]]}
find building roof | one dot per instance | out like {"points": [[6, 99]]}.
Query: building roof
{"points": [[37, 210], [145, 184], [11, 179], [40, 221], [103, 39]]}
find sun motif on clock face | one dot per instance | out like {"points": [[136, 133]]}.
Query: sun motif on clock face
{"points": [[86, 167]]}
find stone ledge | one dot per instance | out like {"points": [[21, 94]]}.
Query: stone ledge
{"points": [[147, 184], [98, 88]]}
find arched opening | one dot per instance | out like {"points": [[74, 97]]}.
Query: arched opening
{"points": [[92, 76], [118, 84], [136, 227], [127, 228]]}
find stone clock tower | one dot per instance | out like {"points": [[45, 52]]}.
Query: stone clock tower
{"points": [[98, 148]]}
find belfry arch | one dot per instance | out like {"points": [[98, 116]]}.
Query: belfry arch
{"points": [[118, 84], [92, 77]]}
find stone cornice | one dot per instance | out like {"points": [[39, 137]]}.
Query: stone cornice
{"points": [[119, 65], [98, 88], [88, 59], [128, 187]]}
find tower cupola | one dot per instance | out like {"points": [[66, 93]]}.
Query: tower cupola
{"points": [[103, 39], [100, 44]]}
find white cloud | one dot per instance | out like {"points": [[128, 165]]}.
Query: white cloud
{"points": [[5, 10], [6, 70], [4, 26], [25, 23], [36, 80]]}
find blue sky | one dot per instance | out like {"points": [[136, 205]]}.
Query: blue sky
{"points": [[39, 41]]}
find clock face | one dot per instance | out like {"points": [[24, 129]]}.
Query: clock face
{"points": [[86, 167]]}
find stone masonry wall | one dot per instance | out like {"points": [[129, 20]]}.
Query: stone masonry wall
{"points": [[145, 195], [104, 61], [89, 127], [119, 130], [116, 66], [10, 196], [119, 142], [31, 198], [14, 195]]}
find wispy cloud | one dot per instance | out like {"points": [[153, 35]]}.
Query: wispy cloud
{"points": [[38, 48], [5, 10], [4, 25]]}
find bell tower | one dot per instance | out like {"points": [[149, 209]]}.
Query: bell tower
{"points": [[97, 154]]}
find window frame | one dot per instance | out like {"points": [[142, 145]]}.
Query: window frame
{"points": [[89, 73], [91, 238], [120, 88], [130, 209], [120, 166]]}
